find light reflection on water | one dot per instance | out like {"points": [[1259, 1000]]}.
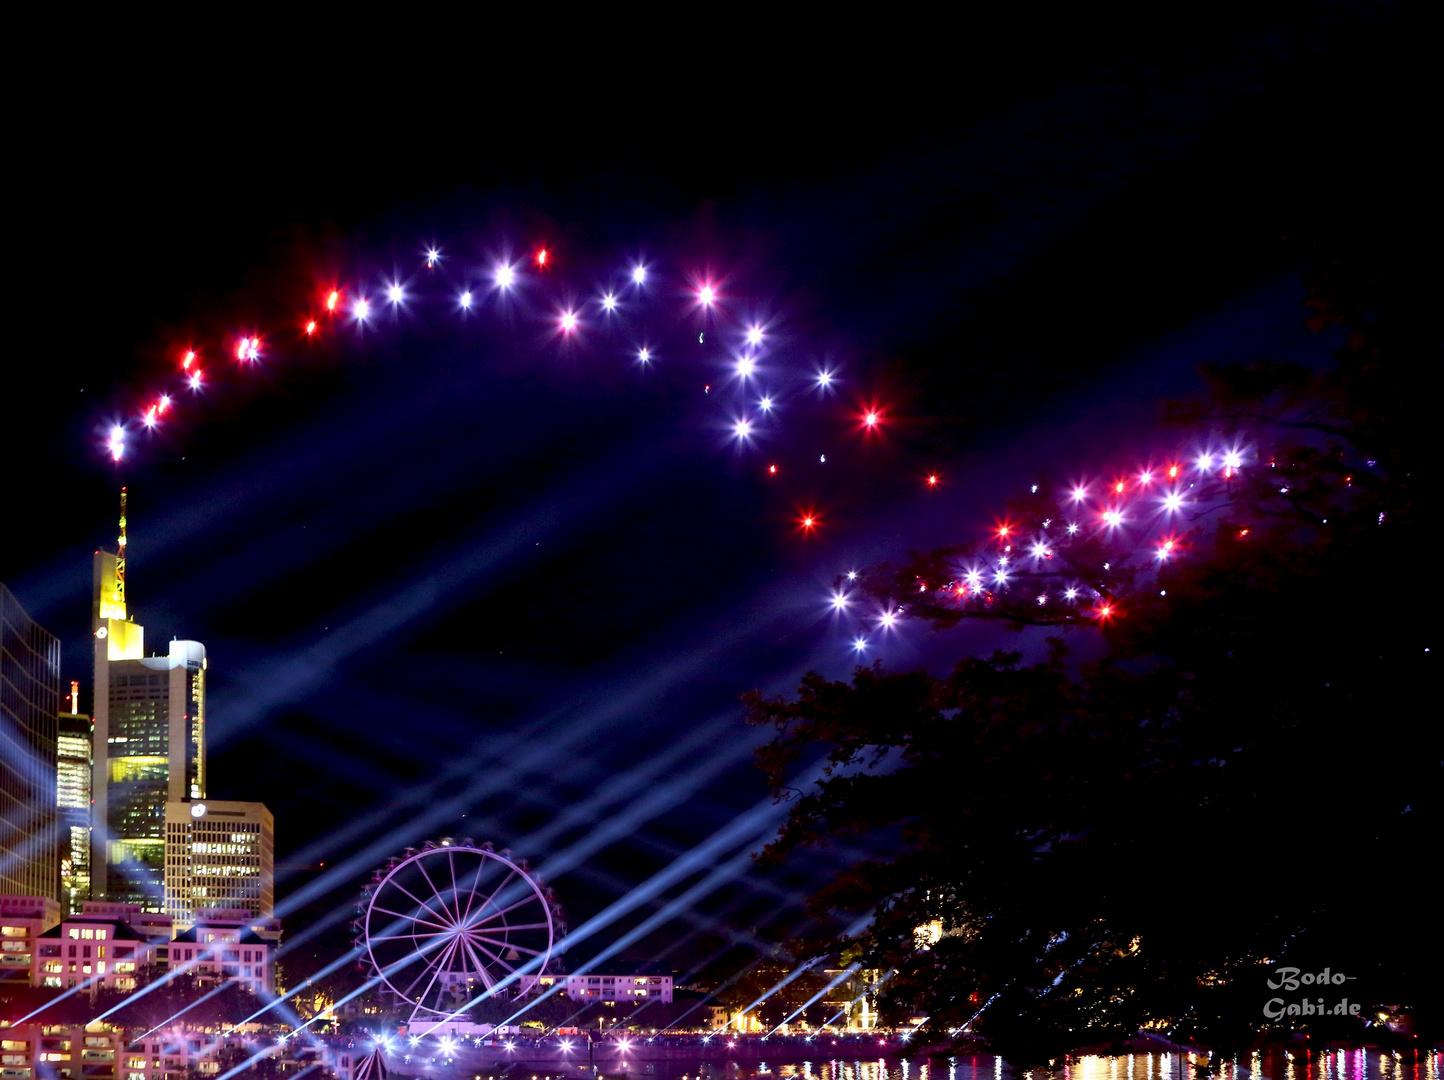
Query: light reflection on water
{"points": [[1272, 1065]]}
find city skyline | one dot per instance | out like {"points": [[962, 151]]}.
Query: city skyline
{"points": [[493, 466]]}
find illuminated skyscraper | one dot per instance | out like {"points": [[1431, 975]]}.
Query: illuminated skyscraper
{"points": [[29, 705], [150, 745], [73, 744]]}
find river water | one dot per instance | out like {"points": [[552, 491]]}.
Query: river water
{"points": [[1271, 1065]]}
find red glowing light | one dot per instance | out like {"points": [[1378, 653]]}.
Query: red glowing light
{"points": [[772, 469], [1172, 471], [932, 479], [871, 419], [1106, 611], [333, 299], [541, 257], [807, 521], [188, 359], [311, 327], [1118, 487], [1003, 530]]}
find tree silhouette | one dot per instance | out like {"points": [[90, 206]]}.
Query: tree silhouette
{"points": [[1142, 838]]}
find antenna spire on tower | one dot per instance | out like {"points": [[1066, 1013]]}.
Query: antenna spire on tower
{"points": [[120, 554]]}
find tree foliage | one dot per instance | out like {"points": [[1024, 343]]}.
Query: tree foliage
{"points": [[1248, 777]]}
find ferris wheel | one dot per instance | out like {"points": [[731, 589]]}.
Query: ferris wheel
{"points": [[454, 921]]}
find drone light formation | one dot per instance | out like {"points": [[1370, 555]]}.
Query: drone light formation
{"points": [[993, 581], [1193, 484]]}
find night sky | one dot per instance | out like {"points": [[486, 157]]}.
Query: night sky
{"points": [[460, 576]]}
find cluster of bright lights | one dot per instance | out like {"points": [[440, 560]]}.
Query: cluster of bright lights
{"points": [[335, 303], [1032, 563]]}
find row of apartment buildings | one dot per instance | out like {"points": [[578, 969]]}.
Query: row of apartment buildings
{"points": [[615, 982], [109, 944], [72, 1052]]}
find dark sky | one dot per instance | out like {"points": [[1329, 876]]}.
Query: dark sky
{"points": [[448, 567]]}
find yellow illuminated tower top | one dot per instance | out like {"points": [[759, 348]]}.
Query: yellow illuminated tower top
{"points": [[124, 639]]}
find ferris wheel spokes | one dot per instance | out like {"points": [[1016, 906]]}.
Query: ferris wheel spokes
{"points": [[420, 903], [458, 942], [412, 918]]}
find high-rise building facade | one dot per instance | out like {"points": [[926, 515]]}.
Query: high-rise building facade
{"points": [[219, 855], [29, 705], [73, 764], [149, 743]]}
